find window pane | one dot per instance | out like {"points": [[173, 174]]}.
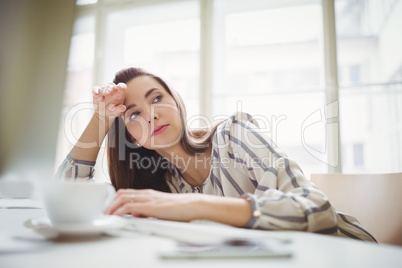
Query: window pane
{"points": [[371, 131], [77, 96], [164, 39], [268, 56], [80, 62], [368, 36]]}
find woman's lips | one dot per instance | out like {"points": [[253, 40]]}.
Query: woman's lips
{"points": [[159, 130]]}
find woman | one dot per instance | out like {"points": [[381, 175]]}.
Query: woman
{"points": [[230, 174]]}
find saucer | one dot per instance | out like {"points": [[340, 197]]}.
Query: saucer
{"points": [[98, 226]]}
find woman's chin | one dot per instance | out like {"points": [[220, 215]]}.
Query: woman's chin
{"points": [[164, 145]]}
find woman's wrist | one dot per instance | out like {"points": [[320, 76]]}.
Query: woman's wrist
{"points": [[90, 141], [228, 210], [104, 120]]}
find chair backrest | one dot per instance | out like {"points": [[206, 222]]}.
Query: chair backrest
{"points": [[374, 199]]}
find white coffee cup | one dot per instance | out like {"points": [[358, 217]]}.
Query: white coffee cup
{"points": [[76, 203]]}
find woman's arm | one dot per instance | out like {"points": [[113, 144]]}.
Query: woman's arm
{"points": [[90, 141], [181, 207], [283, 198], [108, 103]]}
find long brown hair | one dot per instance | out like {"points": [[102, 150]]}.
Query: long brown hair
{"points": [[127, 172]]}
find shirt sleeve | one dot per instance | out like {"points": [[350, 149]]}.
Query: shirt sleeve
{"points": [[284, 199], [75, 170]]}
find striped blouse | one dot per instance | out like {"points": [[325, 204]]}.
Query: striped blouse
{"points": [[246, 163]]}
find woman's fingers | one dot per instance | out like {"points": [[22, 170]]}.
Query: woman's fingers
{"points": [[134, 208], [120, 199], [135, 202], [123, 197], [108, 100], [109, 89], [121, 85], [151, 203], [96, 90], [102, 90], [119, 109]]}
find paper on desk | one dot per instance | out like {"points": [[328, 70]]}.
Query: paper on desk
{"points": [[200, 236], [252, 250], [205, 239], [201, 232], [12, 203]]}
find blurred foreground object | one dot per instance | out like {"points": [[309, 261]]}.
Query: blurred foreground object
{"points": [[34, 44]]}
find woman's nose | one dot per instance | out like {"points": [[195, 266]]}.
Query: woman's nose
{"points": [[154, 116]]}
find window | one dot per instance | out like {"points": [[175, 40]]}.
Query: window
{"points": [[268, 62], [162, 38], [78, 96], [262, 57], [370, 92]]}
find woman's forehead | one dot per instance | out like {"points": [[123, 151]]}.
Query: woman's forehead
{"points": [[142, 83], [138, 87]]}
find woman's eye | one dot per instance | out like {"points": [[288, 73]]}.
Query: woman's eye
{"points": [[157, 99], [133, 115]]}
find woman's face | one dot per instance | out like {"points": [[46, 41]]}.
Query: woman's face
{"points": [[152, 117]]}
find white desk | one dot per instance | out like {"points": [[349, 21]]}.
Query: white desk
{"points": [[140, 250]]}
